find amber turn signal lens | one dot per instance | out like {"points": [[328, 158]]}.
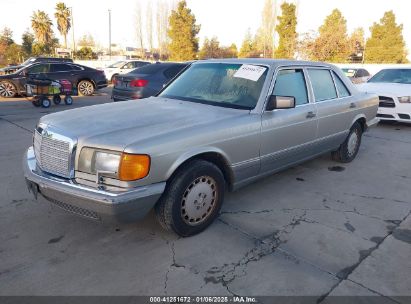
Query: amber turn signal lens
{"points": [[133, 166]]}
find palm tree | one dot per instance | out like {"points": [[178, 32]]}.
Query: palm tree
{"points": [[41, 24], [63, 18]]}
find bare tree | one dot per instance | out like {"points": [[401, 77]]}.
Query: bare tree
{"points": [[139, 27], [163, 12], [149, 25], [265, 35]]}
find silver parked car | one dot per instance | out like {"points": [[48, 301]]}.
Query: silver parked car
{"points": [[220, 124]]}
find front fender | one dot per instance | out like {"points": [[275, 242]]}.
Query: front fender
{"points": [[195, 152]]}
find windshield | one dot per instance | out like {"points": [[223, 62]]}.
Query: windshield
{"points": [[118, 64], [393, 75], [220, 84], [349, 72], [28, 61]]}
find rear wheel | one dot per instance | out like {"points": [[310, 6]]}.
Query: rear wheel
{"points": [[85, 88], [349, 148], [36, 102], [68, 100], [192, 199], [7, 89]]}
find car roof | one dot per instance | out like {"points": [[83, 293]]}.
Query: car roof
{"points": [[269, 62]]}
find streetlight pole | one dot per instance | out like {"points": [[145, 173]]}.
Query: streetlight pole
{"points": [[72, 31], [109, 33]]}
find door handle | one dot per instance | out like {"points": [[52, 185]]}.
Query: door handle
{"points": [[353, 105], [311, 114]]}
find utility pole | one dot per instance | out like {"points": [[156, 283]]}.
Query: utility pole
{"points": [[72, 31], [109, 33]]}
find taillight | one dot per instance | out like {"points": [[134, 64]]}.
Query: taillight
{"points": [[138, 83]]}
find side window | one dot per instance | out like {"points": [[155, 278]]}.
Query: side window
{"points": [[139, 64], [59, 67], [75, 68], [173, 71], [291, 83], [128, 65], [342, 89], [360, 73], [39, 68], [366, 74], [323, 84]]}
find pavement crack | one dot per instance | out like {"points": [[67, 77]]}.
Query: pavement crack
{"points": [[227, 273], [346, 272], [17, 125]]}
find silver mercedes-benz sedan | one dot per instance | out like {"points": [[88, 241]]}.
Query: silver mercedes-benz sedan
{"points": [[220, 124]]}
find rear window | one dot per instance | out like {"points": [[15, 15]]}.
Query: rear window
{"points": [[149, 69], [59, 67], [173, 71]]}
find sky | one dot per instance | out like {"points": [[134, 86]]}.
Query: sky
{"points": [[229, 20]]}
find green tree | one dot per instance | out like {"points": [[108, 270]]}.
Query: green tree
{"points": [[27, 43], [210, 49], [287, 31], [386, 44], [41, 24], [248, 47], [183, 32], [332, 42], [13, 54], [229, 52], [63, 18], [86, 53], [264, 40], [6, 36]]}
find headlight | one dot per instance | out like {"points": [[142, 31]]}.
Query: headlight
{"points": [[122, 166], [404, 99]]}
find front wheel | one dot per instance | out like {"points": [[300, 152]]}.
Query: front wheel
{"points": [[85, 88], [68, 100], [7, 89], [349, 148], [192, 199]]}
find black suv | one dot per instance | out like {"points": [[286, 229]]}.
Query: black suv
{"points": [[86, 79], [13, 68]]}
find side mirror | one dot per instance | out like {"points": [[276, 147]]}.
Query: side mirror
{"points": [[280, 102]]}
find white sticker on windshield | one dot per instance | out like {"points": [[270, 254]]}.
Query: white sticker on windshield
{"points": [[251, 72]]}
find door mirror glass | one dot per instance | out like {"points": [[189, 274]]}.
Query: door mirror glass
{"points": [[280, 102]]}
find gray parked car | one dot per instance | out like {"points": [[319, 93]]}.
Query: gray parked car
{"points": [[220, 124]]}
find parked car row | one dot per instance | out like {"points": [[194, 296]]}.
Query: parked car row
{"points": [[85, 79]]}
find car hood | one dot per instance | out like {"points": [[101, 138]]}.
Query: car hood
{"points": [[392, 89], [118, 125]]}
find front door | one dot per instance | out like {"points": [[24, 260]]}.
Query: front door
{"points": [[288, 135]]}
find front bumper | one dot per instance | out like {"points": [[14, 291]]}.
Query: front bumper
{"points": [[100, 205]]}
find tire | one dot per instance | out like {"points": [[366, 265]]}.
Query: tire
{"points": [[85, 88], [36, 102], [56, 99], [192, 199], [45, 102], [68, 100], [349, 148], [7, 89]]}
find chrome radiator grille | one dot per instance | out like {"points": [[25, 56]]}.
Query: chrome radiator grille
{"points": [[52, 155]]}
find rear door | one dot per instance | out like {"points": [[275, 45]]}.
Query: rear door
{"points": [[335, 107], [288, 134], [60, 71]]}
